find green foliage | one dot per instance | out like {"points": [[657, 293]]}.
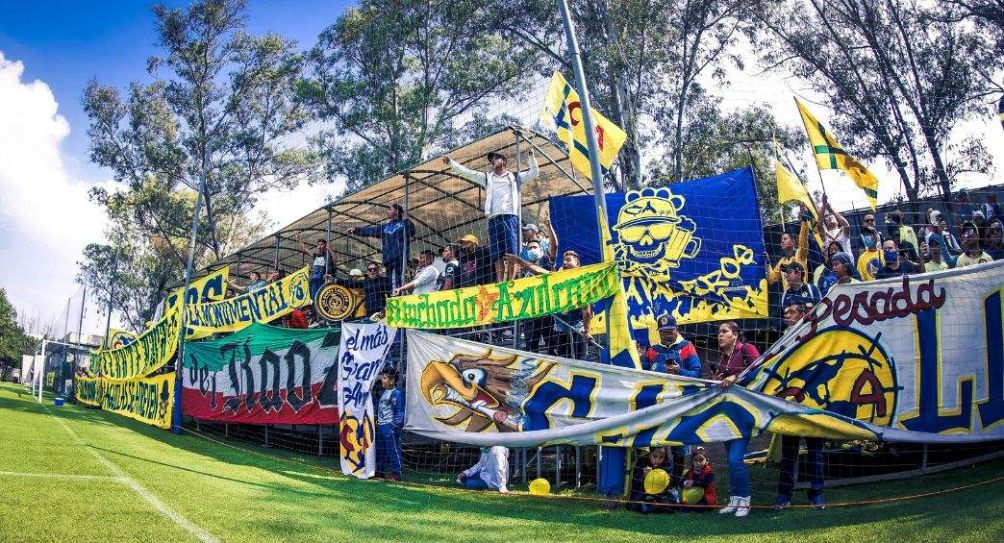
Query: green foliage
{"points": [[14, 342], [220, 106], [395, 80], [899, 75]]}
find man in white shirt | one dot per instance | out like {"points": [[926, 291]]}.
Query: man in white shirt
{"points": [[502, 205], [426, 278], [490, 473]]}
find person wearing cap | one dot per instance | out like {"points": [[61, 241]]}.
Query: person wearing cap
{"points": [[322, 260], [548, 245], [394, 236], [973, 255], [676, 356], [672, 354], [376, 288], [502, 204], [798, 289], [475, 262]]}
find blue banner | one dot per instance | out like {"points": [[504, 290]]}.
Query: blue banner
{"points": [[692, 249]]}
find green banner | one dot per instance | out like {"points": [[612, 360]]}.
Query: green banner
{"points": [[546, 294], [87, 390]]}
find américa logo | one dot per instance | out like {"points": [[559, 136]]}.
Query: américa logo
{"points": [[840, 370]]}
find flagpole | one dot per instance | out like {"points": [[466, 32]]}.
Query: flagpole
{"points": [[587, 114]]}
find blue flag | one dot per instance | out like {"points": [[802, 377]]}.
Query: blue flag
{"points": [[693, 249]]}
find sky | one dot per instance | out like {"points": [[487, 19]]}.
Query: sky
{"points": [[49, 50]]}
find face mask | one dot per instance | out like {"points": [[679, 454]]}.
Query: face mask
{"points": [[868, 241], [531, 255], [891, 256]]}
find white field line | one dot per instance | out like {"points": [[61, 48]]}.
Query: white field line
{"points": [[67, 476], [122, 476]]}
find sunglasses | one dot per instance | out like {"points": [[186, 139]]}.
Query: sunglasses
{"points": [[371, 269], [869, 220]]}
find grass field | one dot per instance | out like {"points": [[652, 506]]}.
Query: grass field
{"points": [[73, 474]]}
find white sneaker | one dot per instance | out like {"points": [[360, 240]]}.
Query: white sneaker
{"points": [[743, 506], [731, 507]]}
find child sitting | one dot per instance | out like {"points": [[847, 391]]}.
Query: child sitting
{"points": [[700, 475], [640, 500]]}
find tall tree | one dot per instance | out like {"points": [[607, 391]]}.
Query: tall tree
{"points": [[13, 340], [220, 107], [898, 75], [394, 80], [647, 62]]}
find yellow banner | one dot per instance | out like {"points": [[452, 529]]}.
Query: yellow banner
{"points": [[562, 107], [262, 305], [149, 400], [558, 292], [211, 288], [147, 353], [87, 390]]}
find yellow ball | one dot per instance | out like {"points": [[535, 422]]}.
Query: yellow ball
{"points": [[656, 481], [692, 495], [540, 487]]}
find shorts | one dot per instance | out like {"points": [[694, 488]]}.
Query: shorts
{"points": [[503, 236]]}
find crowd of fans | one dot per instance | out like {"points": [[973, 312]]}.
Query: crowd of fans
{"points": [[848, 254]]}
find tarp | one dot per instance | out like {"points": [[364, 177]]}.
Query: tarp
{"points": [[149, 400], [693, 249], [907, 359], [263, 375]]}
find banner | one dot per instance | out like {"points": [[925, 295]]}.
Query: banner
{"points": [[922, 355], [872, 361], [119, 338], [263, 375], [694, 249], [557, 292], [484, 395], [361, 356], [149, 400], [266, 304], [147, 353], [211, 288], [87, 390]]}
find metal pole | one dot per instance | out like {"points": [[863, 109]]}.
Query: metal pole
{"points": [[178, 363], [327, 239], [40, 372], [80, 322], [111, 296], [519, 219], [586, 108]]}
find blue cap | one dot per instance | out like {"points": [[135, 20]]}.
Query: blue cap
{"points": [[666, 322]]}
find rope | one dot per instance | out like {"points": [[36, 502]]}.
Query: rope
{"points": [[855, 503]]}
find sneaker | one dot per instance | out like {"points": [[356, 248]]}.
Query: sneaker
{"points": [[743, 506], [731, 507], [817, 503], [782, 503]]}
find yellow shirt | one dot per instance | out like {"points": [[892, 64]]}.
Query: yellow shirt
{"points": [[867, 264], [801, 256]]}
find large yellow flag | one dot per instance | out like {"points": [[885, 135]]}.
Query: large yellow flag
{"points": [[561, 106], [831, 156]]}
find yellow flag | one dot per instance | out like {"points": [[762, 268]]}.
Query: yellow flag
{"points": [[789, 186], [561, 107], [831, 156], [621, 346]]}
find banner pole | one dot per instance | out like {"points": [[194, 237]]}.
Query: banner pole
{"points": [[111, 296], [176, 417], [586, 109]]}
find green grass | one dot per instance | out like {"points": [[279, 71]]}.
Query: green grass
{"points": [[238, 496]]}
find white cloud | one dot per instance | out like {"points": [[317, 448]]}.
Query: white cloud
{"points": [[46, 218]]}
